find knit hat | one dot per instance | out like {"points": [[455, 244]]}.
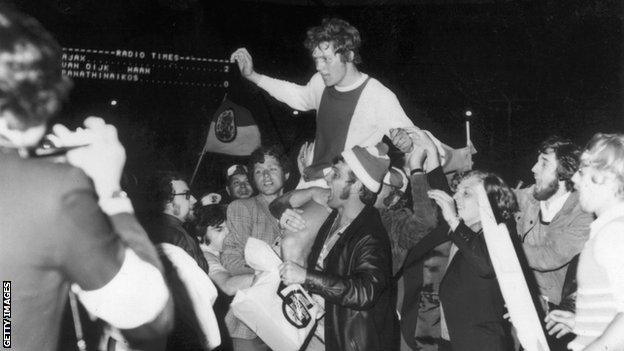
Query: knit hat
{"points": [[368, 164], [235, 169], [396, 178]]}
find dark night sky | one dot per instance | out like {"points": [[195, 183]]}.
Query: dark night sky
{"points": [[527, 68]]}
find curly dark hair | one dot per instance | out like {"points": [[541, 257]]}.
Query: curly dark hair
{"points": [[567, 154], [343, 35], [160, 189], [32, 85], [274, 150], [208, 216], [501, 197]]}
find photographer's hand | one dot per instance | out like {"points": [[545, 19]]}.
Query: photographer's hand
{"points": [[104, 157]]}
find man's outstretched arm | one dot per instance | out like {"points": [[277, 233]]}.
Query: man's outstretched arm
{"points": [[300, 97]]}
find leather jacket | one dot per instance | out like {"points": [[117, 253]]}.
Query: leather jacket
{"points": [[357, 285]]}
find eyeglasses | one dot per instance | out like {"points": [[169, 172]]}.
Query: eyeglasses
{"points": [[186, 194]]}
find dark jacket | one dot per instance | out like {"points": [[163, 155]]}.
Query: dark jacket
{"points": [[356, 284], [54, 234], [412, 269], [164, 228], [471, 299], [469, 292], [186, 334]]}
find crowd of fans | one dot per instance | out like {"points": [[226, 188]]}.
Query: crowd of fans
{"points": [[396, 258]]}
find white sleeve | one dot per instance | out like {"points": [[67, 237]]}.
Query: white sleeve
{"points": [[300, 97], [135, 296], [389, 112], [608, 251]]}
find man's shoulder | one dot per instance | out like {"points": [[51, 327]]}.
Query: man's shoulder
{"points": [[370, 223], [40, 176], [243, 204], [572, 210], [378, 88], [162, 228], [525, 197]]}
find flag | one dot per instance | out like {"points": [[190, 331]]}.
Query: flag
{"points": [[232, 131]]}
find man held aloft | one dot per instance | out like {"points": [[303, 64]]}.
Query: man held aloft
{"points": [[351, 107]]}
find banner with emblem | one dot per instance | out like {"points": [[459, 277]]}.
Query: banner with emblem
{"points": [[232, 131], [282, 316]]}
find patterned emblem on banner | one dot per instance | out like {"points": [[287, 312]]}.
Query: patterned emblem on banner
{"points": [[225, 126]]}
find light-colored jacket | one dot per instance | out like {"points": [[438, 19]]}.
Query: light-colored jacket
{"points": [[549, 248]]}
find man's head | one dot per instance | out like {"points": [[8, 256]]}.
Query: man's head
{"points": [[238, 186], [356, 176], [173, 196], [270, 170], [600, 178], [557, 161], [502, 199], [335, 49], [210, 224], [32, 86], [392, 189]]}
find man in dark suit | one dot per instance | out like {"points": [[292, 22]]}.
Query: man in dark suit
{"points": [[58, 227]]}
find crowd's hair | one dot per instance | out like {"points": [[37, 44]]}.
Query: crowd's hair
{"points": [[502, 198], [367, 196], [567, 154], [273, 150], [32, 85], [605, 153], [160, 190], [208, 216], [343, 35]]}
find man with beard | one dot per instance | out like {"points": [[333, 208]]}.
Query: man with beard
{"points": [[174, 206], [251, 218], [599, 318], [551, 224]]}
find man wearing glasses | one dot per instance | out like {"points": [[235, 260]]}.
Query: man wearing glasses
{"points": [[173, 203]]}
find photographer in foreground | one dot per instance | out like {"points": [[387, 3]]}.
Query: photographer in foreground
{"points": [[67, 224]]}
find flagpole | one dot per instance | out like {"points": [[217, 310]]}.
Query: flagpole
{"points": [[201, 157]]}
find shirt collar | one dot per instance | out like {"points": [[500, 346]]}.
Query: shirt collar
{"points": [[554, 206], [356, 84], [608, 216]]}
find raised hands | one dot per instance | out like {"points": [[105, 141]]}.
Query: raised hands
{"points": [[102, 159], [245, 63], [447, 205], [305, 157], [424, 153], [401, 139]]}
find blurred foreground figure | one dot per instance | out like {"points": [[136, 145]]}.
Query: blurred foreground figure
{"points": [[58, 227], [599, 319]]}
